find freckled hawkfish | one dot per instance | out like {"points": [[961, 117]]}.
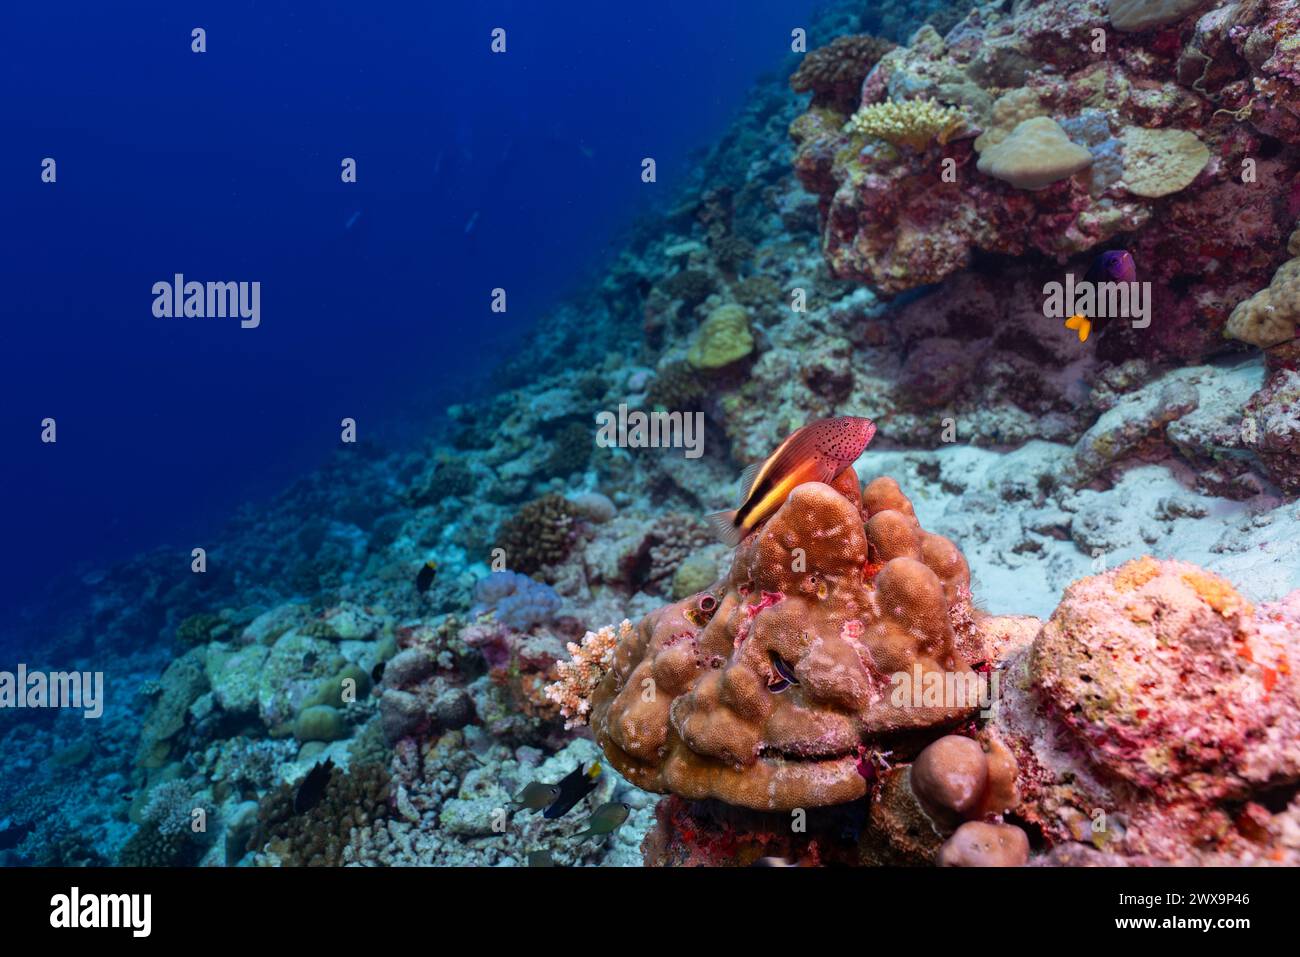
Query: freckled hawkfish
{"points": [[818, 452]]}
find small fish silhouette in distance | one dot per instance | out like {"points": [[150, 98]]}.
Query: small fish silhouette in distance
{"points": [[818, 452], [313, 786], [425, 577], [606, 819], [377, 673], [574, 786], [536, 796]]}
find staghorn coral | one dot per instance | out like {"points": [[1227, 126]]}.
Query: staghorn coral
{"points": [[589, 661], [914, 123], [696, 701], [834, 73], [539, 534]]}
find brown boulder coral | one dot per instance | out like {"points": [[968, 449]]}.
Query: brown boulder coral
{"points": [[761, 691], [834, 73]]}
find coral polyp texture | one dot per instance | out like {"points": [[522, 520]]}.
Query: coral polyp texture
{"points": [[761, 691], [834, 73]]}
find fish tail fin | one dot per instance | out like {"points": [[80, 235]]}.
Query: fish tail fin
{"points": [[724, 526]]}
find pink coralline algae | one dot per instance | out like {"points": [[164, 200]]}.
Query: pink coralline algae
{"points": [[1190, 125], [1155, 717]]}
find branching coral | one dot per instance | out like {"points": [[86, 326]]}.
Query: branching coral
{"points": [[589, 662], [914, 123]]}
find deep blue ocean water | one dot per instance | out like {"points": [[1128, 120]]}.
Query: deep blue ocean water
{"points": [[474, 171]]}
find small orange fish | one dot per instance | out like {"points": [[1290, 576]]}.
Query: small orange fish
{"points": [[818, 452], [1082, 323]]}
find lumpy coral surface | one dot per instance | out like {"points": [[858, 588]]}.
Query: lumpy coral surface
{"points": [[761, 690]]}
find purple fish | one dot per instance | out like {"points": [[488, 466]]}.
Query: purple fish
{"points": [[1114, 266]]}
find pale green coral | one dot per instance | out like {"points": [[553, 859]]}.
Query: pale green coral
{"points": [[914, 123], [723, 338]]}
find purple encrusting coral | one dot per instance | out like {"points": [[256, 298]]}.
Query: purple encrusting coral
{"points": [[515, 600]]}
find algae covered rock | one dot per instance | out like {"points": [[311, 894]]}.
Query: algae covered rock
{"points": [[1130, 16], [292, 672], [235, 676], [180, 685], [352, 683], [320, 723]]}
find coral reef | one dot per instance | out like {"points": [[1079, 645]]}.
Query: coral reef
{"points": [[914, 123], [514, 600], [1169, 117], [1034, 155], [1148, 717]]}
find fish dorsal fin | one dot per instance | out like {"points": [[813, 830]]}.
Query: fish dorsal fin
{"points": [[748, 478]]}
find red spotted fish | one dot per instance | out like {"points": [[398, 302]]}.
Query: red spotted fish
{"points": [[818, 452]]}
